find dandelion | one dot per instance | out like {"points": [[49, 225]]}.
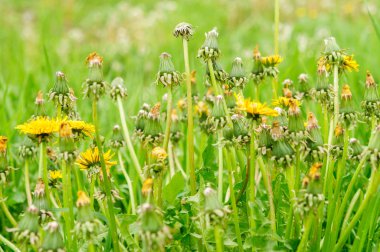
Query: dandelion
{"points": [[254, 109], [55, 175], [81, 128], [40, 129], [147, 187], [3, 144], [90, 161]]}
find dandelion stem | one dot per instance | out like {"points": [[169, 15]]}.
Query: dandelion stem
{"points": [[9, 244], [233, 200], [190, 121], [5, 209], [42, 169], [27, 182], [168, 119], [111, 214], [252, 172], [220, 166], [69, 222], [128, 139], [218, 239], [158, 189], [305, 236], [129, 183]]}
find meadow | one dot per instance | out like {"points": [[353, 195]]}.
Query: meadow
{"points": [[277, 151]]}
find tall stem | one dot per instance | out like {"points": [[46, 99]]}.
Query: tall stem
{"points": [[220, 166], [168, 119], [252, 172], [9, 244], [218, 239], [190, 122], [158, 189], [27, 183], [111, 214], [42, 168], [66, 204], [233, 200], [305, 236], [129, 183], [5, 209], [127, 139]]}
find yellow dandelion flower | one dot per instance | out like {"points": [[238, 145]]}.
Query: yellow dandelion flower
{"points": [[83, 199], [314, 172], [147, 187], [82, 127], [346, 92], [271, 61], [254, 109], [338, 131], [181, 104], [3, 144], [201, 108], [349, 63], [94, 59], [159, 153], [39, 127], [281, 102], [91, 158], [55, 174]]}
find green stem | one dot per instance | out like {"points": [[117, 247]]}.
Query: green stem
{"points": [[110, 209], [218, 239], [305, 236], [5, 209], [233, 200], [9, 244], [66, 204], [127, 139], [220, 166], [252, 172], [190, 121], [268, 185], [42, 168], [129, 183], [168, 119], [372, 188], [92, 190], [27, 183], [290, 180], [158, 189]]}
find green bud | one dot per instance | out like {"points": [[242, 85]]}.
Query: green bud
{"points": [[167, 75], [210, 48], [53, 240]]}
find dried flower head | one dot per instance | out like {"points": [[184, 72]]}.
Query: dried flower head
{"points": [[185, 30]]}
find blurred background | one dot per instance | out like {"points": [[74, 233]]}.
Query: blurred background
{"points": [[38, 38]]}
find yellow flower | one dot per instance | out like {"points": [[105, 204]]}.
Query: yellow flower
{"points": [[91, 158], [271, 61], [202, 109], [254, 109], [281, 102], [159, 153], [94, 59], [3, 144], [82, 127], [349, 63], [147, 187], [39, 127], [83, 199], [55, 174], [314, 172], [346, 92]]}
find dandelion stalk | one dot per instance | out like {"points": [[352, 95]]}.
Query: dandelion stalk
{"points": [[168, 119], [42, 167], [9, 244], [220, 166], [27, 182], [190, 120], [129, 182], [5, 209], [69, 219], [218, 239], [305, 236], [252, 172], [111, 214], [128, 139]]}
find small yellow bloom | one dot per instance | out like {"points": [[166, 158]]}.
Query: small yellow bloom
{"points": [[201, 108], [159, 153], [181, 104], [338, 130], [3, 144], [39, 127], [346, 92], [91, 158], [94, 59], [256, 53], [281, 102], [55, 174], [314, 172], [255, 109], [82, 127], [65, 130], [83, 199], [349, 63], [147, 187], [271, 61]]}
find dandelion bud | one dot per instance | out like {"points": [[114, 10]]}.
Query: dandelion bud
{"points": [[257, 73], [39, 196], [40, 105], [338, 141], [60, 93], [147, 187], [218, 118], [153, 133], [219, 73], [347, 112], [185, 30], [53, 240], [210, 49], [153, 232], [331, 46], [167, 75], [355, 150], [296, 128], [117, 140], [215, 213], [230, 98], [241, 136], [118, 89], [95, 86], [140, 122], [3, 160], [237, 76], [3, 145], [67, 149], [371, 102], [265, 142], [27, 150], [27, 230], [315, 140], [282, 153]]}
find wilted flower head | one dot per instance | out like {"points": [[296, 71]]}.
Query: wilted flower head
{"points": [[118, 89], [167, 75], [94, 87], [3, 144], [210, 48], [185, 30], [53, 240]]}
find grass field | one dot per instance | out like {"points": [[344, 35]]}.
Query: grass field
{"points": [[40, 38]]}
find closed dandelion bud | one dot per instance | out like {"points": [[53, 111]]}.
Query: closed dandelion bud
{"points": [[338, 141], [215, 213], [53, 240], [140, 122], [158, 160], [67, 147], [322, 92], [117, 140], [40, 105], [218, 118], [265, 142], [118, 89], [314, 141], [60, 93], [270, 64], [4, 171], [219, 73], [230, 99], [153, 133], [39, 196], [282, 152], [371, 102], [185, 30], [175, 132], [202, 111], [167, 75], [210, 48], [346, 111], [241, 136], [355, 150], [303, 87], [296, 128], [374, 145], [228, 134], [237, 76], [87, 226], [28, 227], [27, 150], [147, 187], [153, 232], [257, 73], [95, 86]]}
